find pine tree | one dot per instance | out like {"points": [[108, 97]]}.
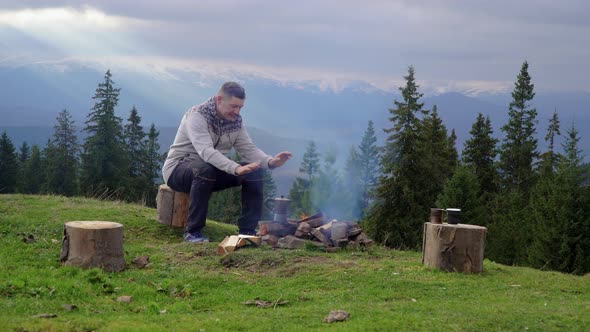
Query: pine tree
{"points": [[561, 207], [153, 164], [368, 158], [549, 159], [62, 157], [399, 211], [300, 192], [519, 147], [311, 161], [439, 156], [104, 163], [268, 191], [462, 191], [34, 172], [23, 156], [138, 185], [480, 153], [8, 165], [135, 142], [511, 231], [353, 182]]}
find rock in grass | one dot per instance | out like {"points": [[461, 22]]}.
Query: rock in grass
{"points": [[69, 307], [336, 316], [125, 299], [141, 261]]}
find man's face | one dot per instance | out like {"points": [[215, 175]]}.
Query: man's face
{"points": [[229, 109]]}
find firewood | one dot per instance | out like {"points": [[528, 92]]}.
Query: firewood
{"points": [[303, 230], [317, 233]]}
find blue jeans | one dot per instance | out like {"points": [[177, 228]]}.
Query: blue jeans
{"points": [[200, 179]]}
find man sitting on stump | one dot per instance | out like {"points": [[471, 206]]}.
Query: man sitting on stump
{"points": [[197, 162]]}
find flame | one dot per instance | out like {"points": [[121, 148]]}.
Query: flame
{"points": [[303, 216]]}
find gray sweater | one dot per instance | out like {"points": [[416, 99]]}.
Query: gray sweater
{"points": [[201, 135]]}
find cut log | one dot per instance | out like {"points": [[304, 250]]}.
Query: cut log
{"points": [[454, 248], [90, 244], [172, 206]]}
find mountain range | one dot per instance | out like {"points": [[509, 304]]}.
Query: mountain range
{"points": [[280, 115]]}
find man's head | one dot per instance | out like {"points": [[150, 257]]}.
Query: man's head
{"points": [[230, 100]]}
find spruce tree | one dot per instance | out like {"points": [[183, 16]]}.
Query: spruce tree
{"points": [[439, 156], [511, 231], [480, 153], [368, 157], [519, 147], [575, 250], [311, 161], [399, 211], [269, 190], [138, 185], [561, 207], [135, 143], [549, 159], [34, 172], [152, 166], [462, 191], [353, 182], [300, 192], [23, 156], [62, 157], [104, 160], [8, 165]]}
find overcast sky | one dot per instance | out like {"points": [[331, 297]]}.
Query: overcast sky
{"points": [[454, 45]]}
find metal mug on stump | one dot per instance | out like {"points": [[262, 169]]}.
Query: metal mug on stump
{"points": [[436, 215], [453, 216], [279, 207]]}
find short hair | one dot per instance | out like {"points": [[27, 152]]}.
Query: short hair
{"points": [[232, 89]]}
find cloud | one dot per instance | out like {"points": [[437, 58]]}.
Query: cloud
{"points": [[454, 43]]}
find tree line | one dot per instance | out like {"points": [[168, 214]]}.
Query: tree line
{"points": [[536, 205], [116, 160]]}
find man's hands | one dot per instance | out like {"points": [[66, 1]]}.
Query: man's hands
{"points": [[277, 161], [241, 170], [280, 159]]}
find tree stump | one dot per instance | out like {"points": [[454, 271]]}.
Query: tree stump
{"points": [[172, 207], [454, 248], [90, 244]]}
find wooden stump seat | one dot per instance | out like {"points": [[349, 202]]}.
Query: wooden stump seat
{"points": [[172, 207], [90, 244], [454, 248]]}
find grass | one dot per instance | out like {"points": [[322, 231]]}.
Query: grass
{"points": [[189, 287]]}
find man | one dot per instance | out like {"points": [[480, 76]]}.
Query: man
{"points": [[197, 164]]}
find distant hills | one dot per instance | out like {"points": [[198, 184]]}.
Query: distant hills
{"points": [[281, 116]]}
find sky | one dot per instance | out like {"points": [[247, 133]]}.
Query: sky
{"points": [[454, 45]]}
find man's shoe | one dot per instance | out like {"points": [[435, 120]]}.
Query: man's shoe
{"points": [[195, 237]]}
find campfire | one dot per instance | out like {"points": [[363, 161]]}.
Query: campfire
{"points": [[315, 230]]}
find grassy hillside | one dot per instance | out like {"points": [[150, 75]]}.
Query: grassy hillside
{"points": [[190, 288]]}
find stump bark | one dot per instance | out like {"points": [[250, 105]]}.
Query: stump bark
{"points": [[90, 244], [172, 206], [454, 248]]}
